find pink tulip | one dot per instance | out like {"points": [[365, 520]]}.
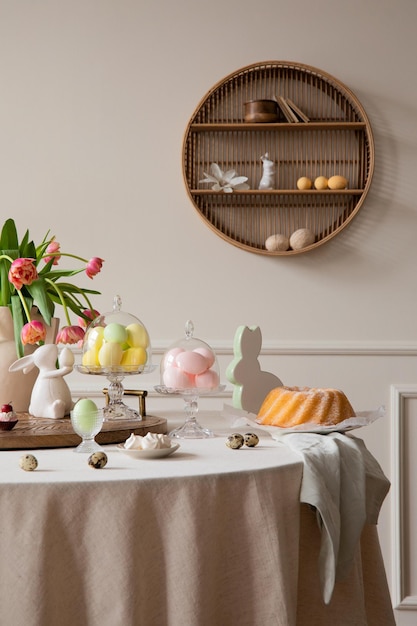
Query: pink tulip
{"points": [[53, 248], [22, 272], [33, 332], [93, 266], [70, 334], [91, 314]]}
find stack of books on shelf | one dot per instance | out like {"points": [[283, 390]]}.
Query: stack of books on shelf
{"points": [[291, 111]]}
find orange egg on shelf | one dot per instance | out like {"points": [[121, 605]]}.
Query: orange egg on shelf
{"points": [[304, 183], [321, 182], [337, 182]]}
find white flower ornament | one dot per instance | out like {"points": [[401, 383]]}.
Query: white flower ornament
{"points": [[224, 181]]}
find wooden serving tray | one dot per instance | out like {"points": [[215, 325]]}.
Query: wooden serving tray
{"points": [[40, 432]]}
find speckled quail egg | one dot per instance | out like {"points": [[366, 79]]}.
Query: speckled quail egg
{"points": [[97, 460], [235, 441], [28, 462], [251, 440]]}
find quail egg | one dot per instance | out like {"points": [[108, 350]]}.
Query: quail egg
{"points": [[28, 462], [251, 440], [235, 441], [97, 460]]}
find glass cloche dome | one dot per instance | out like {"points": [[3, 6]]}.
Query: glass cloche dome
{"points": [[189, 368], [116, 344]]}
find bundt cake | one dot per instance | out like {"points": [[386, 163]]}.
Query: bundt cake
{"points": [[287, 407]]}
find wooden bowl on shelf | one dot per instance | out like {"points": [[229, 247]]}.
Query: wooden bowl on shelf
{"points": [[261, 111]]}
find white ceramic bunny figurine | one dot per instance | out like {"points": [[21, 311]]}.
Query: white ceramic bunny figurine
{"points": [[51, 396], [268, 173]]}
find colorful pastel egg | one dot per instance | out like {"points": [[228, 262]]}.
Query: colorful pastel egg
{"points": [[207, 380], [191, 362], [175, 378], [208, 354], [115, 333], [170, 356], [137, 336], [85, 414], [110, 354], [90, 358], [134, 357], [94, 337]]}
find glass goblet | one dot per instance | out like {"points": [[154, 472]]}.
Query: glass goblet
{"points": [[87, 425]]}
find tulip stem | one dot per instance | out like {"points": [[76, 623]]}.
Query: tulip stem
{"points": [[61, 297]]}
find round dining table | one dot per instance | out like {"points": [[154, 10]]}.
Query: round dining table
{"points": [[208, 536]]}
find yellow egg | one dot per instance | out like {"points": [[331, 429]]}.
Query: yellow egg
{"points": [[337, 182], [110, 354], [90, 358], [321, 182], [304, 183], [137, 336], [94, 337], [134, 356]]}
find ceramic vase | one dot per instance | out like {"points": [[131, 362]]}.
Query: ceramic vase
{"points": [[16, 387]]}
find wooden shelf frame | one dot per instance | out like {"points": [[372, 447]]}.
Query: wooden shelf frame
{"points": [[337, 140]]}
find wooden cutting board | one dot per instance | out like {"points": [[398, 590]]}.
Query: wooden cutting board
{"points": [[39, 432]]}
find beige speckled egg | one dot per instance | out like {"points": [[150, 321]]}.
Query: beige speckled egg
{"points": [[251, 439], [235, 441], [337, 182], [28, 462], [97, 460], [277, 242], [302, 238]]}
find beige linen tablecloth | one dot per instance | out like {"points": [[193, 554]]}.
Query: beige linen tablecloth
{"points": [[207, 537]]}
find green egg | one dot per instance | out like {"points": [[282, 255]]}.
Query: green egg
{"points": [[115, 332]]}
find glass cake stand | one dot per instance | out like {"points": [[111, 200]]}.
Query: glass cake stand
{"points": [[126, 352], [191, 429], [115, 409], [189, 369]]}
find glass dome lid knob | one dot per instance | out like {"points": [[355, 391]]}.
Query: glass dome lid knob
{"points": [[189, 329], [117, 303]]}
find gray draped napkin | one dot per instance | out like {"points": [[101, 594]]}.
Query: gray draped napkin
{"points": [[347, 487]]}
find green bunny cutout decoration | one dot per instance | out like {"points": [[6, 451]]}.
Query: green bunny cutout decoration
{"points": [[251, 384]]}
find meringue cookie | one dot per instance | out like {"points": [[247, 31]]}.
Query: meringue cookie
{"points": [[151, 441]]}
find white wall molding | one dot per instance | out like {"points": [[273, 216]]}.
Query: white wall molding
{"points": [[399, 395], [319, 347], [81, 384]]}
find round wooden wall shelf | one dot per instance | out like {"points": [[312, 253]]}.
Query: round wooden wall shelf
{"points": [[329, 135]]}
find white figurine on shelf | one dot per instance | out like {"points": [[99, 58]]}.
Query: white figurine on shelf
{"points": [[268, 174], [51, 396]]}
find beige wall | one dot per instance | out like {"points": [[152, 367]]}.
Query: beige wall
{"points": [[95, 98]]}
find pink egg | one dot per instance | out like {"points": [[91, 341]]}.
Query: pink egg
{"points": [[175, 378], [169, 358], [208, 354], [191, 362], [207, 380]]}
